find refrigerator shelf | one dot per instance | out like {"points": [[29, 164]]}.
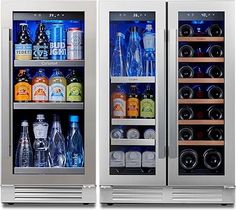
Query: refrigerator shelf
{"points": [[201, 39], [133, 142], [49, 63], [201, 122], [201, 101], [201, 143], [201, 80], [200, 60], [48, 105], [133, 121], [133, 79], [35, 170]]}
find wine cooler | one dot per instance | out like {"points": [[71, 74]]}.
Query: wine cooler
{"points": [[48, 102], [166, 102]]}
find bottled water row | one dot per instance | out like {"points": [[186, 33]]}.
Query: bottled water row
{"points": [[51, 150]]}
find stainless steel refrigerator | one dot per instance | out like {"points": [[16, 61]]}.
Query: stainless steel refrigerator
{"points": [[45, 37], [166, 72]]}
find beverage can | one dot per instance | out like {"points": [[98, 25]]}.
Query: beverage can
{"points": [[57, 42], [117, 133], [74, 44], [149, 134], [133, 134]]}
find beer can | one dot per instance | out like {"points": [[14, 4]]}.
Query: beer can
{"points": [[57, 42], [117, 133], [74, 44], [149, 134], [133, 134]]}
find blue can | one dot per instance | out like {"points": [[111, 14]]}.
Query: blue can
{"points": [[57, 42]]}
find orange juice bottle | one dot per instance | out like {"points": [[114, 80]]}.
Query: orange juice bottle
{"points": [[119, 103]]}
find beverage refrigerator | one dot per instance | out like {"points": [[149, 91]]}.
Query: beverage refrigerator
{"points": [[166, 72], [48, 100]]}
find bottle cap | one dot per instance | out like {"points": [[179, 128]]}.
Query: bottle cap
{"points": [[23, 24], [148, 27], [120, 34], [74, 118], [56, 117], [24, 123], [40, 117]]}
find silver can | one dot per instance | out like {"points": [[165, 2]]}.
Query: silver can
{"points": [[74, 44], [133, 134], [149, 134], [117, 133]]}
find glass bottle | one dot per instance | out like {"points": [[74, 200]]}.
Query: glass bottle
{"points": [[147, 104], [119, 103], [133, 103]]}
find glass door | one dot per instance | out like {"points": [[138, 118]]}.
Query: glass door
{"points": [[135, 135], [201, 116]]}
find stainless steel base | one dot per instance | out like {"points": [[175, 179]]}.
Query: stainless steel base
{"points": [[148, 194], [48, 194]]}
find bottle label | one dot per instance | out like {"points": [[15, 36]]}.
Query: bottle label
{"points": [[40, 52], [40, 131], [22, 91], [119, 107], [23, 51], [147, 108], [57, 92], [132, 107], [40, 92], [74, 91]]}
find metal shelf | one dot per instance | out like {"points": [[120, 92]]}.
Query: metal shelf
{"points": [[201, 122], [49, 63], [133, 121], [133, 142], [201, 101], [201, 39], [200, 60], [201, 143], [201, 80], [47, 170], [49, 105], [132, 79]]}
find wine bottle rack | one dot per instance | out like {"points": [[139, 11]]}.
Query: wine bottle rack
{"points": [[201, 101], [201, 143], [201, 80], [201, 39], [201, 122], [200, 60]]}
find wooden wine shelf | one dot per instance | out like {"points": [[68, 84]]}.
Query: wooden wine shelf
{"points": [[201, 80], [201, 143], [201, 39], [201, 101], [201, 60], [201, 122]]}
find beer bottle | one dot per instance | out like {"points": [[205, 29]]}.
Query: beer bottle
{"points": [[147, 104], [133, 103]]}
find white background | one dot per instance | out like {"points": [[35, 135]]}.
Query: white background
{"points": [[116, 206]]}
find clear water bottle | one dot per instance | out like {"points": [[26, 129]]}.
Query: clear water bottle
{"points": [[40, 128], [117, 61], [56, 144], [149, 54], [134, 64], [24, 152], [75, 146]]}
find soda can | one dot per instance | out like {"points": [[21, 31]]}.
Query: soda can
{"points": [[133, 134], [149, 134], [57, 42], [117, 133], [74, 44]]}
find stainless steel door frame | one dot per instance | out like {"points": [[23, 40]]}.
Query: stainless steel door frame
{"points": [[173, 178], [104, 98], [89, 9]]}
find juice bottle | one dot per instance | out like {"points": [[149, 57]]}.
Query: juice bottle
{"points": [[40, 86], [74, 88], [147, 104], [133, 103], [57, 86], [119, 103], [22, 87]]}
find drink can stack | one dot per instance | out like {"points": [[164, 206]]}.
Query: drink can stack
{"points": [[74, 44]]}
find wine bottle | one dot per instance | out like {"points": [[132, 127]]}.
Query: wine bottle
{"points": [[186, 51], [186, 133], [214, 71], [185, 92], [214, 30], [186, 30], [186, 113], [186, 72], [212, 159], [215, 133], [215, 113], [214, 92], [188, 159], [215, 51]]}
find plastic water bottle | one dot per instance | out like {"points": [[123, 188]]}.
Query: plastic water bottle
{"points": [[134, 65], [149, 54], [56, 144], [24, 152], [40, 128], [117, 61], [75, 147]]}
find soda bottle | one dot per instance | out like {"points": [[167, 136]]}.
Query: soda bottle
{"points": [[57, 153], [74, 87], [24, 152], [75, 146], [40, 86], [134, 64], [119, 103], [117, 60], [133, 103], [149, 54], [23, 46], [22, 87], [147, 104], [41, 44], [57, 86], [40, 145]]}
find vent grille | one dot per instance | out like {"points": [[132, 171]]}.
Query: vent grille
{"points": [[137, 194], [50, 194]]}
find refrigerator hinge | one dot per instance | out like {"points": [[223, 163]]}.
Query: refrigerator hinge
{"points": [[229, 187], [105, 186], [89, 186]]}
